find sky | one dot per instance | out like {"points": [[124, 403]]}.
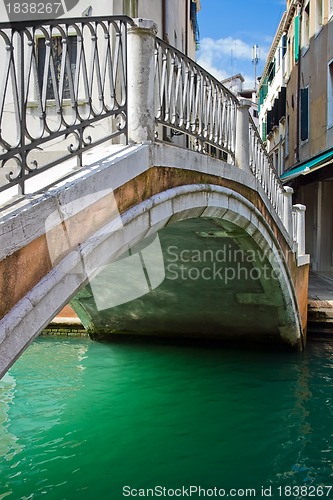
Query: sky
{"points": [[228, 31]]}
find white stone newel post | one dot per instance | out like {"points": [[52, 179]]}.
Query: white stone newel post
{"points": [[300, 228], [288, 209], [242, 147], [141, 92]]}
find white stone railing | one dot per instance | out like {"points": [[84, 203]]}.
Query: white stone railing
{"points": [[190, 100], [159, 90], [298, 230], [262, 168], [167, 88]]}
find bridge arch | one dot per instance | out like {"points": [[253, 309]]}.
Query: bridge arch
{"points": [[199, 210], [180, 204]]}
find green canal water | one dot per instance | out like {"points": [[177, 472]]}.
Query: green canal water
{"points": [[82, 420]]}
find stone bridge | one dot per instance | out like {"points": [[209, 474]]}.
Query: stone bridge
{"points": [[174, 223]]}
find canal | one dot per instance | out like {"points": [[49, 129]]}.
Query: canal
{"points": [[84, 420]]}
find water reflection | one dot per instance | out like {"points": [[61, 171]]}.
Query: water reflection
{"points": [[92, 417], [9, 445], [308, 444], [32, 405]]}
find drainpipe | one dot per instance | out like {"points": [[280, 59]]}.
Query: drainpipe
{"points": [[299, 75], [131, 8], [165, 38], [164, 20], [187, 16]]}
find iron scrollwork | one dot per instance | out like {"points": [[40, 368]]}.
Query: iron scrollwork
{"points": [[59, 78]]}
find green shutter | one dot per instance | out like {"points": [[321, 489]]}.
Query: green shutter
{"points": [[265, 89], [304, 114], [296, 38]]}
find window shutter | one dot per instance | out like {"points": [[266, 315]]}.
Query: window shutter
{"points": [[296, 47], [284, 44], [304, 114]]}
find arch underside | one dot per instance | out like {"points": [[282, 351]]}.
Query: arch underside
{"points": [[193, 263]]}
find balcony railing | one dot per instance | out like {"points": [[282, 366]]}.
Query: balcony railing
{"points": [[62, 91]]}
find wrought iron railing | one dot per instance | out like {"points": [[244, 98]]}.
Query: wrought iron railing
{"points": [[190, 100], [62, 92], [263, 169]]}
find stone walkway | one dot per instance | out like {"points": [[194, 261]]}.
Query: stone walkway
{"points": [[320, 287], [320, 309]]}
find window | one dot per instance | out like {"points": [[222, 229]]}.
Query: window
{"points": [[276, 160], [306, 26], [194, 21], [288, 55], [330, 95], [57, 53], [282, 98], [271, 71], [286, 144], [296, 48], [278, 59], [305, 114], [269, 121], [292, 52], [284, 44], [319, 15]]}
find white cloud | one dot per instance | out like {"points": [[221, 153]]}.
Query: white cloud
{"points": [[224, 46], [227, 56], [213, 70]]}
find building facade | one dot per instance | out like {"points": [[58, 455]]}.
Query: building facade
{"points": [[176, 19], [296, 117], [235, 84]]}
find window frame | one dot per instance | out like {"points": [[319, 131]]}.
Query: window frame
{"points": [[286, 135], [306, 27], [319, 16], [330, 94], [330, 9], [302, 111], [50, 98]]}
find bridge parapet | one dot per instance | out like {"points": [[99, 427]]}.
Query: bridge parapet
{"points": [[53, 92], [169, 89]]}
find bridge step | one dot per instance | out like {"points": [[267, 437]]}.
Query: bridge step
{"points": [[320, 305], [320, 316]]}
